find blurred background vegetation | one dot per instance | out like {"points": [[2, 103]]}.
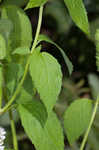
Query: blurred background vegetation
{"points": [[84, 81]]}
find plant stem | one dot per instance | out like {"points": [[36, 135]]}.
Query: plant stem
{"points": [[15, 143], [27, 64], [17, 90], [90, 124], [38, 29]]}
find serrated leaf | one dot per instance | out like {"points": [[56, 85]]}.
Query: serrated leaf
{"points": [[2, 47], [35, 3], [46, 76], [67, 61], [78, 13], [35, 111], [33, 117], [48, 137], [54, 133], [22, 31], [6, 27], [21, 51], [77, 118]]}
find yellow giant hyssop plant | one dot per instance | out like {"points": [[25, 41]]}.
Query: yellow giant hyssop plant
{"points": [[24, 69]]}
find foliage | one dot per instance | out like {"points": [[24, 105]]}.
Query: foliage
{"points": [[78, 14], [78, 112], [31, 79]]}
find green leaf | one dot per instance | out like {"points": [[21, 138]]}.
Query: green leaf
{"points": [[13, 73], [28, 85], [77, 118], [24, 97], [47, 77], [49, 137], [54, 133], [21, 51], [6, 27], [35, 3], [67, 61], [78, 13], [14, 2], [22, 31], [32, 113], [2, 47]]}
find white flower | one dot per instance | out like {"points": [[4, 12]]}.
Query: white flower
{"points": [[1, 147], [2, 137]]}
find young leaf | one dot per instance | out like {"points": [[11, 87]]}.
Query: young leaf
{"points": [[67, 61], [49, 137], [35, 3], [22, 31], [2, 47], [47, 77], [21, 51], [78, 13], [76, 118]]}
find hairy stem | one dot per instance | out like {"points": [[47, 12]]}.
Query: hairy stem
{"points": [[38, 29], [15, 142], [13, 129], [90, 124], [27, 64]]}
